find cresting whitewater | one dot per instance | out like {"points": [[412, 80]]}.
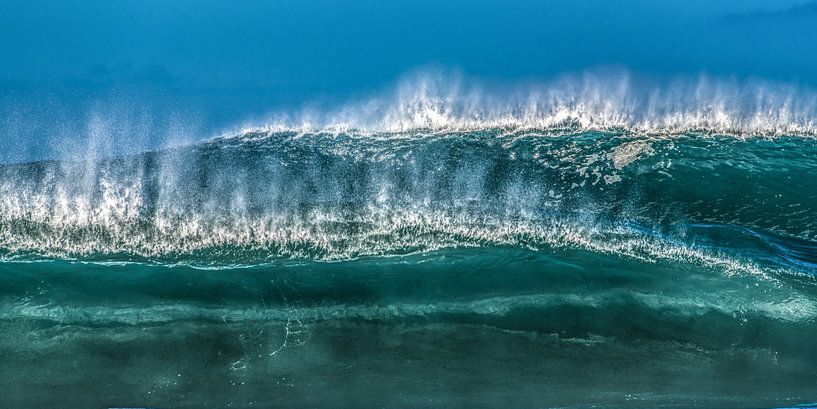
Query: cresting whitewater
{"points": [[583, 245]]}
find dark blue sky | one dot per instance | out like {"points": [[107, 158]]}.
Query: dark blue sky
{"points": [[204, 65]]}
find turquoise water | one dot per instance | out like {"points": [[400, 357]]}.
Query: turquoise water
{"points": [[489, 267]]}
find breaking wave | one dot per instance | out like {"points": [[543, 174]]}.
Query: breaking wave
{"points": [[266, 195]]}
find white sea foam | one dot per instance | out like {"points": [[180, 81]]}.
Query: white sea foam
{"points": [[77, 229], [795, 309]]}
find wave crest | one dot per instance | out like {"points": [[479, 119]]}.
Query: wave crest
{"points": [[596, 100]]}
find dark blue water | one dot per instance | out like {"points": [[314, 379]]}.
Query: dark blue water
{"points": [[479, 268]]}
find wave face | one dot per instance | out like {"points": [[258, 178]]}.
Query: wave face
{"points": [[320, 196], [554, 264]]}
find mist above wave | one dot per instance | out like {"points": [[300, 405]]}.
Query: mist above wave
{"points": [[426, 100], [595, 100]]}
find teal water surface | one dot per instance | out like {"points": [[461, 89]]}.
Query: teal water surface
{"points": [[485, 268]]}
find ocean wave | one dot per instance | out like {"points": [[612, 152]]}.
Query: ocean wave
{"points": [[268, 196]]}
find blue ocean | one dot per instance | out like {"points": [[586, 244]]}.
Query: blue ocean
{"points": [[178, 231]]}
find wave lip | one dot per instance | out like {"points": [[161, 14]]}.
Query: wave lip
{"points": [[594, 101]]}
